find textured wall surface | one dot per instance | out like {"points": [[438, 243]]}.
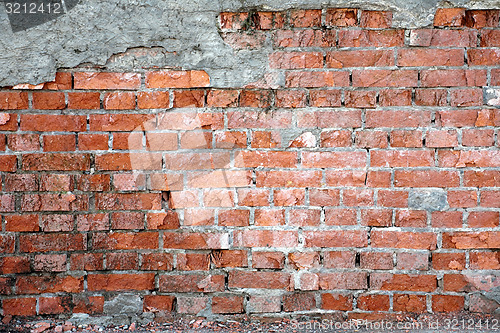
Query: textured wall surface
{"points": [[184, 33], [358, 175]]}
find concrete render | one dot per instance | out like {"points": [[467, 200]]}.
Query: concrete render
{"points": [[130, 34]]}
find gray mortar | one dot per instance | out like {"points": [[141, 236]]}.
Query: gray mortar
{"points": [[123, 304], [182, 33], [431, 200]]}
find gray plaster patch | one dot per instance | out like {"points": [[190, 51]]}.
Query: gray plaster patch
{"points": [[430, 200], [492, 96], [123, 304], [184, 30]]}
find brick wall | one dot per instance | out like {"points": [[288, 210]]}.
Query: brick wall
{"points": [[360, 175]]}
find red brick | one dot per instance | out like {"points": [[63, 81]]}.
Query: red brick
{"points": [[264, 304], [265, 238], [298, 302], [296, 60], [340, 138], [358, 197], [196, 241], [157, 261], [322, 197], [191, 283], [230, 139], [177, 79], [189, 98], [268, 217], [431, 97], [251, 119], [384, 78], [354, 159], [431, 178], [21, 223], [53, 123], [490, 38], [339, 302], [121, 122], [14, 100], [289, 197], [375, 19], [483, 219], [477, 138], [243, 40], [409, 303], [234, 218], [389, 198], [56, 182], [484, 260], [129, 181], [430, 57], [84, 100], [229, 258], [125, 241], [304, 38], [191, 305], [20, 183], [341, 17], [345, 178], [50, 262], [469, 158], [255, 98], [15, 265], [120, 282], [49, 284], [341, 59], [93, 80], [119, 101], [19, 307], [403, 282], [305, 217], [449, 17], [371, 38], [153, 100], [53, 223], [376, 217], [199, 217], [129, 161], [373, 302], [288, 178], [403, 239], [59, 143], [87, 261], [360, 99], [93, 141], [54, 305], [155, 303], [487, 178], [466, 97], [52, 242], [227, 304], [452, 78], [232, 20], [376, 260], [335, 238], [127, 220], [343, 280], [339, 259], [274, 260], [482, 18], [260, 280], [96, 183], [48, 100], [371, 139], [7, 203], [411, 218], [463, 199], [441, 37], [218, 178], [483, 57], [402, 158], [304, 260], [441, 138], [471, 240], [325, 98], [395, 97], [447, 219], [329, 119], [448, 261], [307, 18], [290, 99], [222, 98], [122, 261], [447, 303], [410, 261], [335, 216], [317, 79]]}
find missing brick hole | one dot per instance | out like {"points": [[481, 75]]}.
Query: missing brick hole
{"points": [[165, 198], [357, 259]]}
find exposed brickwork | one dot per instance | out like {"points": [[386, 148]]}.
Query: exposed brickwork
{"points": [[157, 182]]}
